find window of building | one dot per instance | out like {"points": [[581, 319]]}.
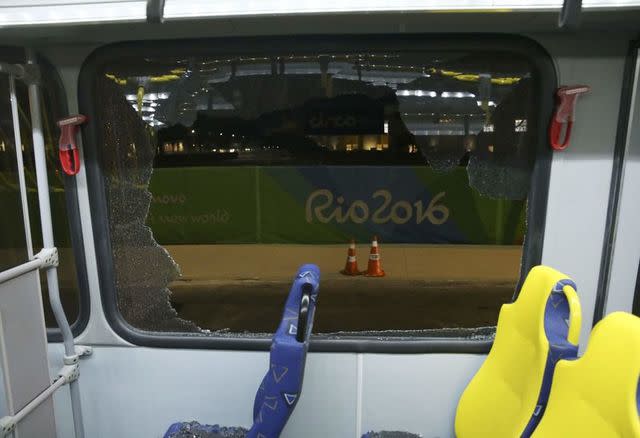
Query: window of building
{"points": [[12, 241], [224, 170]]}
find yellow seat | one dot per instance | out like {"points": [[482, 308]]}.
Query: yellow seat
{"points": [[507, 395], [596, 396]]}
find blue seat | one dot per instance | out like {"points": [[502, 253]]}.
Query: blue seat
{"points": [[194, 429], [280, 389], [281, 386]]}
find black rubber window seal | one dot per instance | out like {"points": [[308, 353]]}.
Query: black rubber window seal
{"points": [[616, 183]]}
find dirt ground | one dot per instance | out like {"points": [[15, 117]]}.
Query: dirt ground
{"points": [[243, 287], [482, 263], [350, 304]]}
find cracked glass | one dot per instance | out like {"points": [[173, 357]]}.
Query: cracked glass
{"points": [[224, 173]]}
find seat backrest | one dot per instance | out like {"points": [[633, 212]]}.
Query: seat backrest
{"points": [[281, 387], [598, 394], [508, 394]]}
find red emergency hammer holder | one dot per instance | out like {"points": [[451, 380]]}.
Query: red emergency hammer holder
{"points": [[564, 115], [68, 149]]}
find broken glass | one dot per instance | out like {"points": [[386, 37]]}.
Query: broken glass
{"points": [[143, 269], [224, 173]]}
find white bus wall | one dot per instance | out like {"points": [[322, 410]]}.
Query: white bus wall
{"points": [[581, 175], [138, 392]]}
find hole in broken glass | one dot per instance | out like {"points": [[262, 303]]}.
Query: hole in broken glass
{"points": [[143, 268], [259, 109]]}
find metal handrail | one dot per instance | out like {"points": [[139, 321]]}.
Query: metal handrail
{"points": [[48, 241], [19, 270], [48, 257], [68, 374], [21, 179]]}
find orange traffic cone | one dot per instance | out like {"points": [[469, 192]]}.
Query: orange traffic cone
{"points": [[374, 269], [351, 267]]}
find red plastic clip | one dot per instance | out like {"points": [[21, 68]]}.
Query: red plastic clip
{"points": [[564, 115], [68, 149]]}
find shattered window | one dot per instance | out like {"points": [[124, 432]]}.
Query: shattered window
{"points": [[13, 249], [224, 173]]}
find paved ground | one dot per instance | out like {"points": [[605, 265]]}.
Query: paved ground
{"points": [[345, 304], [482, 263], [427, 287]]}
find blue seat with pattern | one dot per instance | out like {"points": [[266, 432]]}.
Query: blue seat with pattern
{"points": [[281, 386]]}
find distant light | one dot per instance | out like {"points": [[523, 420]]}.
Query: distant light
{"points": [[232, 150], [148, 109], [386, 127], [193, 131], [456, 94], [491, 103], [149, 97], [417, 93]]}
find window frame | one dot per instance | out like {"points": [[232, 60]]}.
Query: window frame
{"points": [[15, 54], [544, 85], [615, 189], [635, 309]]}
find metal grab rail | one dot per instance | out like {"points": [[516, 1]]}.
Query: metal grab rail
{"points": [[21, 180], [19, 270], [48, 241], [48, 257], [67, 374]]}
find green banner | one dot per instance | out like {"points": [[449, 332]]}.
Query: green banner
{"points": [[327, 204]]}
